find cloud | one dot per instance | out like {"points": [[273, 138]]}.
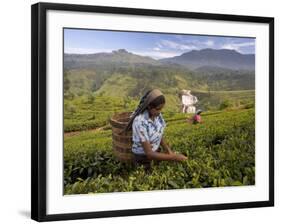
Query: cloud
{"points": [[156, 49], [209, 43], [237, 46], [177, 45], [159, 45], [184, 44], [157, 54]]}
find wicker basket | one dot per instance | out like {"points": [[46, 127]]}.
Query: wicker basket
{"points": [[122, 141]]}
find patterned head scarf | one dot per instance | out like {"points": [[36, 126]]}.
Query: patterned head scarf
{"points": [[144, 102]]}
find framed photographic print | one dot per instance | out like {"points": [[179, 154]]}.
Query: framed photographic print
{"points": [[139, 111]]}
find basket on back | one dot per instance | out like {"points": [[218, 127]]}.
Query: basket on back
{"points": [[121, 140]]}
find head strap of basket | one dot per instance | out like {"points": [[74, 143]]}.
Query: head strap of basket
{"points": [[144, 102]]}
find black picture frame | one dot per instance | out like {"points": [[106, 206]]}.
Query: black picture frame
{"points": [[39, 109]]}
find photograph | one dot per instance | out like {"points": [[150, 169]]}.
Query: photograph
{"points": [[141, 111], [155, 111]]}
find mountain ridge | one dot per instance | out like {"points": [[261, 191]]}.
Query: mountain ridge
{"points": [[116, 57], [224, 58], [193, 60]]}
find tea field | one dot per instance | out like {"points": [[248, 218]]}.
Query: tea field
{"points": [[93, 110], [221, 151]]}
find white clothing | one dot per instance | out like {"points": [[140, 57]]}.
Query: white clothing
{"points": [[188, 100], [187, 103]]}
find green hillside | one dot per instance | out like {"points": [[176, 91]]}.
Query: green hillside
{"points": [[132, 75], [117, 85], [92, 96], [93, 111]]}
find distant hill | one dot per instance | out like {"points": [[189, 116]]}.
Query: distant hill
{"points": [[206, 58], [224, 58], [120, 57], [124, 74]]}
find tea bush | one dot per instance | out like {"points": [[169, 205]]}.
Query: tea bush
{"points": [[221, 152]]}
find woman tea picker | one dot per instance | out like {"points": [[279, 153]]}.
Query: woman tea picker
{"points": [[148, 126]]}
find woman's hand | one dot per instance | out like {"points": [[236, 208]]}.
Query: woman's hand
{"points": [[179, 157], [161, 156]]}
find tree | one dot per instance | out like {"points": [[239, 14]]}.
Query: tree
{"points": [[66, 82]]}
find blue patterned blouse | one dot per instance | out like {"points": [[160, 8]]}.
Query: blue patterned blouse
{"points": [[145, 129]]}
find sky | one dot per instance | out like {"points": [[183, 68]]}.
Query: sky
{"points": [[155, 45]]}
